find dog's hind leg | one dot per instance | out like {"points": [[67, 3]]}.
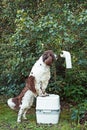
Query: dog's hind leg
{"points": [[24, 114], [20, 113], [27, 108]]}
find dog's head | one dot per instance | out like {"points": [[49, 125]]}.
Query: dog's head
{"points": [[49, 57]]}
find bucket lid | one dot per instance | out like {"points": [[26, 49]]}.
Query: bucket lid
{"points": [[51, 102]]}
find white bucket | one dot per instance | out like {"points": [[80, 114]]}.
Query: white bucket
{"points": [[48, 109]]}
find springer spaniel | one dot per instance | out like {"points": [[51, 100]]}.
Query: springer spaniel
{"points": [[35, 85]]}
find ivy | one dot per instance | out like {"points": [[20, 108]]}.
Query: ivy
{"points": [[28, 28]]}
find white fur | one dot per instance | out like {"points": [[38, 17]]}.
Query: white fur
{"points": [[41, 72], [10, 103]]}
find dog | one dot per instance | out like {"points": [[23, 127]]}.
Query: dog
{"points": [[36, 85]]}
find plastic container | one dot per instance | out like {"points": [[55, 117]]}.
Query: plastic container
{"points": [[48, 109]]}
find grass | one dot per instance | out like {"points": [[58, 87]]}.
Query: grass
{"points": [[8, 121]]}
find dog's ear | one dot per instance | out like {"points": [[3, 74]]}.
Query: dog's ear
{"points": [[30, 83]]}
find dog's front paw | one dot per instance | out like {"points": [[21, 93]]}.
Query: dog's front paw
{"points": [[44, 95]]}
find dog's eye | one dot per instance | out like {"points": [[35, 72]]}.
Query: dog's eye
{"points": [[45, 57]]}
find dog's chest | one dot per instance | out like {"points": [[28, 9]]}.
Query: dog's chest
{"points": [[40, 71]]}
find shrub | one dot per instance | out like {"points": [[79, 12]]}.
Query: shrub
{"points": [[61, 27]]}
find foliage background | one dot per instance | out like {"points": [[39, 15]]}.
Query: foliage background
{"points": [[27, 28]]}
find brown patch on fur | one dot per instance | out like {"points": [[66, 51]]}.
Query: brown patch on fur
{"points": [[17, 102], [30, 85], [48, 57]]}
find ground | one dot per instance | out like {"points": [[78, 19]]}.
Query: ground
{"points": [[8, 119]]}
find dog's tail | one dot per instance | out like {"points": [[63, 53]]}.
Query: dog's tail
{"points": [[14, 103], [11, 104]]}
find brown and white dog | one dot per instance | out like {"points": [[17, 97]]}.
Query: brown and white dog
{"points": [[36, 84]]}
